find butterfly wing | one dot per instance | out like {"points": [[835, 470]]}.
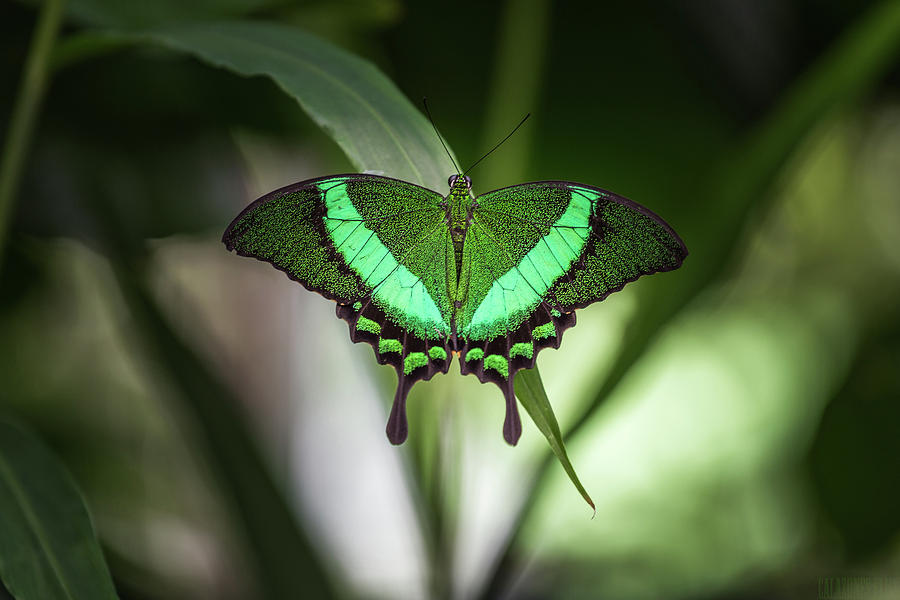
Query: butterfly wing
{"points": [[378, 247], [538, 251]]}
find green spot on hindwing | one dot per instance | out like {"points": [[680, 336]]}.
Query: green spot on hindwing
{"points": [[544, 331], [522, 349], [357, 306], [555, 313], [368, 325], [437, 353], [474, 354], [497, 363], [413, 361], [389, 345]]}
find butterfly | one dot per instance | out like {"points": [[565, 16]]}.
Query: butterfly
{"points": [[422, 277]]}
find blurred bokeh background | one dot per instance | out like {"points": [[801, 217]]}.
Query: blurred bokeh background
{"points": [[737, 422]]}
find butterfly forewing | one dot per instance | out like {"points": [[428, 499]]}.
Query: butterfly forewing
{"points": [[565, 244], [519, 228], [377, 246]]}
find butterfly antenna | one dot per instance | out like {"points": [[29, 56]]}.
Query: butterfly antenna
{"points": [[438, 133], [516, 128]]}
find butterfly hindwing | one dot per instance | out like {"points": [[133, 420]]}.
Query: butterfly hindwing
{"points": [[537, 252], [371, 244]]}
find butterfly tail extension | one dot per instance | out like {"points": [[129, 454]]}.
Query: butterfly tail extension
{"points": [[413, 358], [499, 359], [397, 426], [512, 424]]}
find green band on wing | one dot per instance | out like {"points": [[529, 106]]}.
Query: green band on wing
{"points": [[474, 354], [525, 349], [513, 296], [544, 331], [497, 363], [395, 289], [437, 353], [413, 361], [368, 325], [389, 345]]}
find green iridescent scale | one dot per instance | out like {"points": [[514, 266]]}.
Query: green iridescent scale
{"points": [[422, 277]]}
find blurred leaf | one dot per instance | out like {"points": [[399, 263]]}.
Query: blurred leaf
{"points": [[47, 546], [530, 392], [115, 13], [146, 93], [516, 86], [738, 183], [360, 108], [285, 560], [856, 448], [162, 186], [31, 90]]}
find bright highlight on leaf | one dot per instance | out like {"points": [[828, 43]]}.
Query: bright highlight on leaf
{"points": [[492, 279]]}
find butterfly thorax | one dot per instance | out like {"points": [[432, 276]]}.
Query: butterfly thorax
{"points": [[458, 205]]}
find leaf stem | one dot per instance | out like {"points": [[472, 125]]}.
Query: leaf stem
{"points": [[24, 114]]}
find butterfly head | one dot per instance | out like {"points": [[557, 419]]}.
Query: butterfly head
{"points": [[460, 183]]}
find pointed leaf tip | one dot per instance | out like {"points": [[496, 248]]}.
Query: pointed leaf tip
{"points": [[530, 391]]}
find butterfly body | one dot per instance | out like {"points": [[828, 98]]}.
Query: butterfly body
{"points": [[423, 277], [458, 205]]}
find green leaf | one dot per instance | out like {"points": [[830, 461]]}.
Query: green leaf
{"points": [[115, 13], [530, 392], [354, 102], [48, 548]]}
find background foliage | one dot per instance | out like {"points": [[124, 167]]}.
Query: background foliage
{"points": [[736, 422]]}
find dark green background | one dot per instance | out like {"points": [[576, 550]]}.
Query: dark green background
{"points": [[753, 445]]}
